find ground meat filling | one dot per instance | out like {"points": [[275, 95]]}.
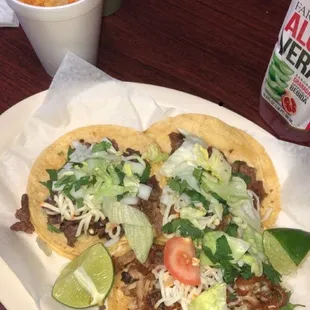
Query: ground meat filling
{"points": [[23, 215], [255, 185], [151, 207], [129, 151], [176, 140]]}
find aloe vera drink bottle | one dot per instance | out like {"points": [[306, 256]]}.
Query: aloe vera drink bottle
{"points": [[285, 93]]}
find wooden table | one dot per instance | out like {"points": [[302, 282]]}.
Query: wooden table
{"points": [[215, 49]]}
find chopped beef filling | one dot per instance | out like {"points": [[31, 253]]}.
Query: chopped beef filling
{"points": [[69, 228], [151, 207], [103, 307], [23, 215], [130, 152], [54, 219], [176, 140], [114, 144], [255, 185], [127, 278]]}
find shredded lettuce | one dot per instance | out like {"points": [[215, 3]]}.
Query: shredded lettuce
{"points": [[255, 239], [212, 299], [154, 154], [195, 216], [245, 210], [138, 229], [234, 191]]}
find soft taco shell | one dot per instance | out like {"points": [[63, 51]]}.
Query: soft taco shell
{"points": [[54, 157], [236, 145]]}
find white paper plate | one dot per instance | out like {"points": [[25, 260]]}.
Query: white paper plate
{"points": [[12, 293]]}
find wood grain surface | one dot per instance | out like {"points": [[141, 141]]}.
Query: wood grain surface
{"points": [[215, 49]]}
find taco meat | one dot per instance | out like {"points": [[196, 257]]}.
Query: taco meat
{"points": [[151, 207], [176, 140], [255, 185], [130, 151], [23, 215]]}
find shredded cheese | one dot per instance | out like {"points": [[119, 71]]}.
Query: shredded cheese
{"points": [[173, 291]]}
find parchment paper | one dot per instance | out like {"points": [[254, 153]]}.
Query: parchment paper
{"points": [[82, 95]]}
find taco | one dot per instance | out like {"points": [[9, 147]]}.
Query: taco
{"points": [[219, 190], [93, 185], [246, 156]]}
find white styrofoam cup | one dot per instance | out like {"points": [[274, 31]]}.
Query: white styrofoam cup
{"points": [[53, 31]]}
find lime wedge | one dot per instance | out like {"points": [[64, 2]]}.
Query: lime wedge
{"points": [[286, 248], [87, 280]]}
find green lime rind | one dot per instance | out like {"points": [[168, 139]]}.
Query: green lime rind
{"points": [[272, 93], [277, 255], [295, 242], [283, 66], [274, 85], [97, 263]]}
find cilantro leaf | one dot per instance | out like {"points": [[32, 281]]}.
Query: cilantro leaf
{"points": [[273, 275], [195, 196], [209, 253], [290, 306], [49, 185], [146, 173], [177, 185], [232, 230], [120, 173], [82, 181], [70, 151], [102, 146], [53, 229], [230, 272], [198, 174], [245, 272], [223, 251], [52, 174], [247, 179], [184, 227]]}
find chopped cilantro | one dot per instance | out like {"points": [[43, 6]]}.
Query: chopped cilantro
{"points": [[232, 230], [223, 251], [70, 151], [102, 146], [271, 274], [230, 272], [52, 174], [245, 272], [146, 173], [209, 253], [82, 181], [53, 229], [120, 197], [247, 179], [120, 173], [177, 185], [66, 180], [184, 227], [195, 196], [198, 174]]}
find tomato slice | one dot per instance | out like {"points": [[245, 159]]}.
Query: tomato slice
{"points": [[178, 259]]}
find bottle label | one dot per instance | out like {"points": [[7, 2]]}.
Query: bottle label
{"points": [[286, 84]]}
